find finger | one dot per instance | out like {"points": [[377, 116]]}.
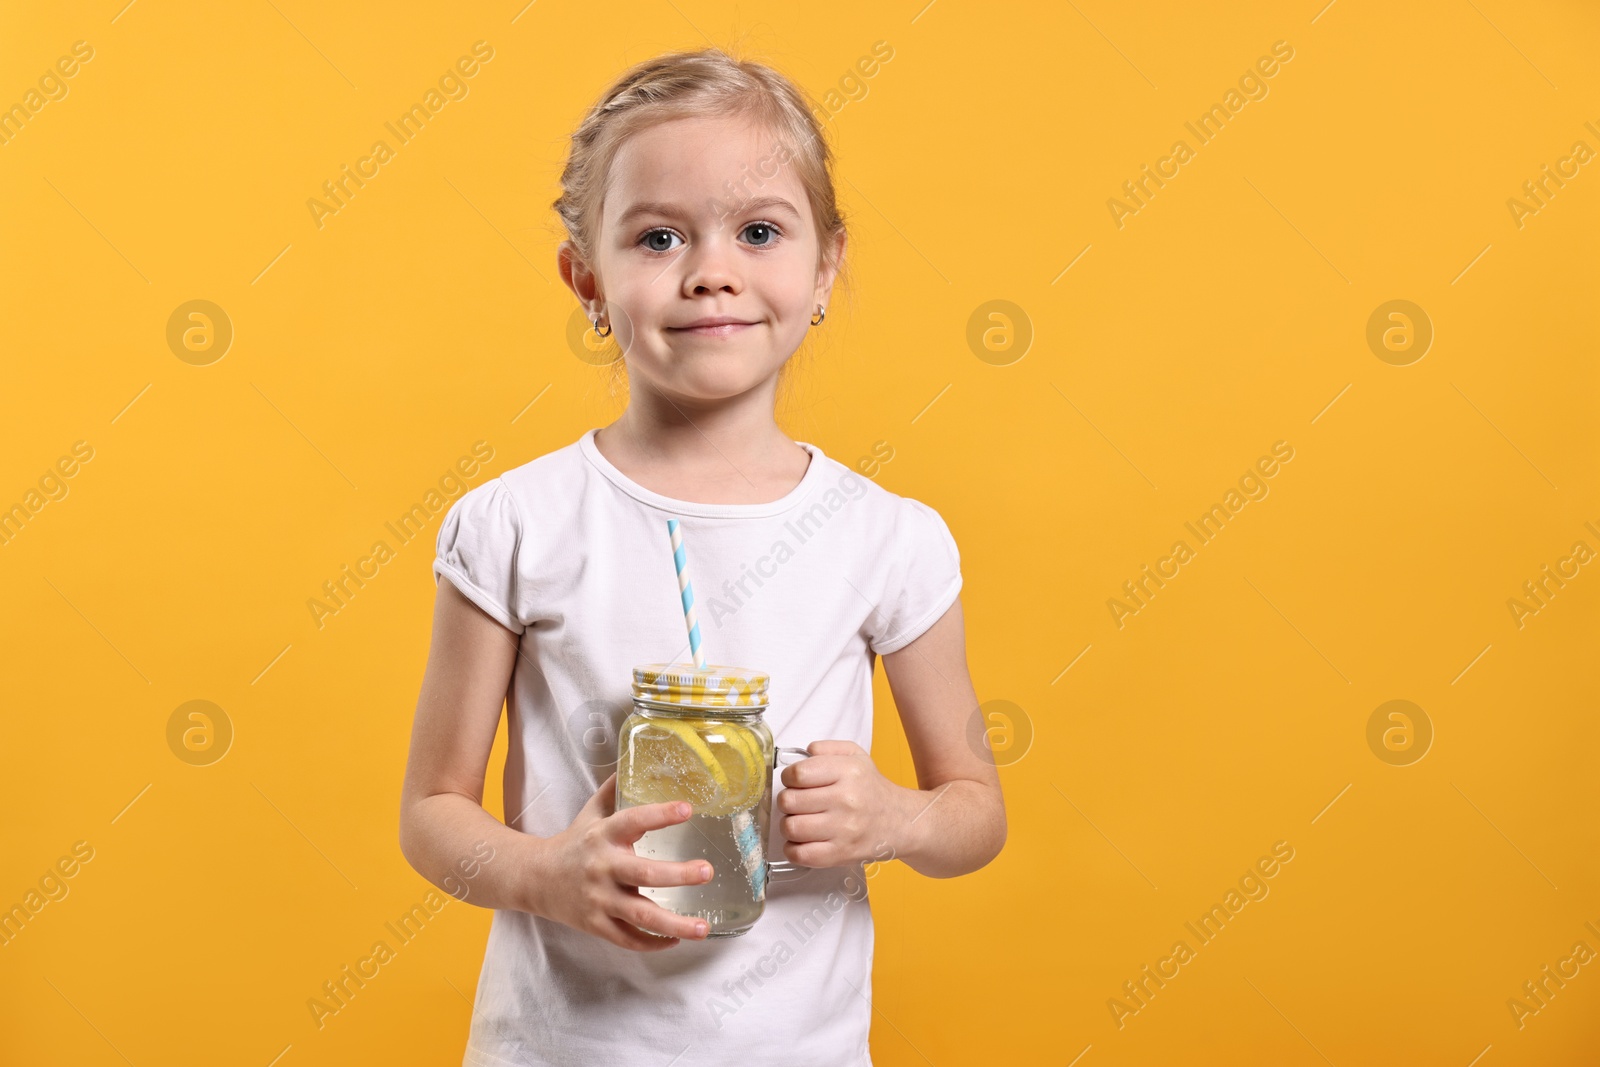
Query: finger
{"points": [[634, 907], [604, 800], [643, 872], [631, 937], [835, 748], [807, 800], [630, 824], [798, 828], [809, 854], [814, 771]]}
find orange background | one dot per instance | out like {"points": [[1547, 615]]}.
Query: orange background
{"points": [[1167, 354]]}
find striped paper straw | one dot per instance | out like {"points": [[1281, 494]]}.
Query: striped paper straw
{"points": [[745, 832], [680, 560]]}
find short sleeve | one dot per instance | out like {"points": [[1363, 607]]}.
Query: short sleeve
{"points": [[924, 578], [477, 551]]}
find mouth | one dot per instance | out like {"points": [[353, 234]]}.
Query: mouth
{"points": [[718, 327], [727, 329]]}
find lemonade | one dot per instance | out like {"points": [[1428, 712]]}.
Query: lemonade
{"points": [[718, 762]]}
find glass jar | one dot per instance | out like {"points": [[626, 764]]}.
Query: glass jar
{"points": [[699, 736]]}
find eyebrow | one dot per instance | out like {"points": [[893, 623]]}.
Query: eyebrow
{"points": [[760, 203]]}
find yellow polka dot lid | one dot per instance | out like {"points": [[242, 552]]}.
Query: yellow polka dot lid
{"points": [[714, 686]]}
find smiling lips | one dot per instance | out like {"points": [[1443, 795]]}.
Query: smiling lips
{"points": [[715, 326]]}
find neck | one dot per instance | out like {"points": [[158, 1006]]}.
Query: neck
{"points": [[727, 436]]}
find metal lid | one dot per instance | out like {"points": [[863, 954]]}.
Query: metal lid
{"points": [[718, 686]]}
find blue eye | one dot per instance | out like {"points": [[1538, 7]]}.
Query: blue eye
{"points": [[758, 235], [650, 237], [770, 231]]}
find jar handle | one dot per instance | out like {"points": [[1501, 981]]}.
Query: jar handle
{"points": [[777, 867], [780, 867]]}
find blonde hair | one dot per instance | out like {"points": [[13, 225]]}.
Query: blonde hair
{"points": [[689, 84]]}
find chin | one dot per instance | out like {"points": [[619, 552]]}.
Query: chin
{"points": [[703, 391], [713, 386], [712, 375]]}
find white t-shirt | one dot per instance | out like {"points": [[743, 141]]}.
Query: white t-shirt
{"points": [[569, 552]]}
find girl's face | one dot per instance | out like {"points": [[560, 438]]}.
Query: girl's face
{"points": [[704, 219]]}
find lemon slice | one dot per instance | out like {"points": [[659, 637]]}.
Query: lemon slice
{"points": [[749, 739], [672, 761], [743, 763]]}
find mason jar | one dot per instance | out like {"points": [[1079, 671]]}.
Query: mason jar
{"points": [[700, 736]]}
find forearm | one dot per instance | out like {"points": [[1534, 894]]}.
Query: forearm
{"points": [[458, 846], [950, 830]]}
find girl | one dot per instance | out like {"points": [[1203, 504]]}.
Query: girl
{"points": [[704, 237]]}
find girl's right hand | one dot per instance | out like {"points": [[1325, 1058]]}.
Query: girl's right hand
{"points": [[589, 875]]}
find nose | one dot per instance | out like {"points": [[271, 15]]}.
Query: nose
{"points": [[712, 267]]}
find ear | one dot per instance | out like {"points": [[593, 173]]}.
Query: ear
{"points": [[828, 269], [578, 275]]}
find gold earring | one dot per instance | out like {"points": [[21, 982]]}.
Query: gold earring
{"points": [[816, 320], [595, 322]]}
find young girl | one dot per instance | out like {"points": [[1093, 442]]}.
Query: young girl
{"points": [[704, 239]]}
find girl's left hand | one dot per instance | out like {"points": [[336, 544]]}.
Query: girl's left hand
{"points": [[838, 808]]}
